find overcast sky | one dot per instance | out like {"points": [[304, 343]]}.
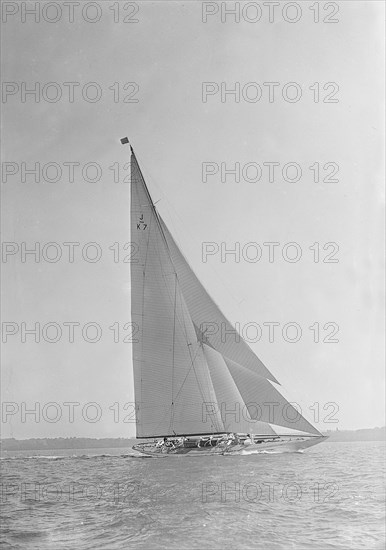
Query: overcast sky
{"points": [[169, 53]]}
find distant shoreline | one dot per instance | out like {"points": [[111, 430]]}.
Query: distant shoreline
{"points": [[37, 444]]}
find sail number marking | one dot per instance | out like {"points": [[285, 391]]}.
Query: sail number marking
{"points": [[141, 225]]}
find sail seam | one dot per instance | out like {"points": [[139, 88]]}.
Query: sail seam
{"points": [[173, 356]]}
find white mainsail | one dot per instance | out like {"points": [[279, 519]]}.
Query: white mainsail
{"points": [[186, 381]]}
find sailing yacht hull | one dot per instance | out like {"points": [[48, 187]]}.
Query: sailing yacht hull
{"points": [[281, 445], [289, 446]]}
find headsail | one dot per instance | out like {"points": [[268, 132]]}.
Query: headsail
{"points": [[234, 411], [186, 382], [206, 314], [265, 402]]}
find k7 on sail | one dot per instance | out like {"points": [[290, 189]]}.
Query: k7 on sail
{"points": [[195, 392]]}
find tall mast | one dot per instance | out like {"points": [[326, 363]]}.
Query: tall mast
{"points": [[125, 141]]}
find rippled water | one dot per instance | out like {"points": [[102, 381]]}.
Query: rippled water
{"points": [[331, 496]]}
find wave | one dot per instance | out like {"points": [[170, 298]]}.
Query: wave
{"points": [[74, 456], [35, 457]]}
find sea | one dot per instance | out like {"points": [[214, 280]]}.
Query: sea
{"points": [[329, 497]]}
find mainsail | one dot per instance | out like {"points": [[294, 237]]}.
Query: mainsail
{"points": [[189, 380]]}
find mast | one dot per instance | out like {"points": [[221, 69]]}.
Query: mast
{"points": [[123, 141]]}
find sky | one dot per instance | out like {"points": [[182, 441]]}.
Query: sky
{"points": [[162, 61]]}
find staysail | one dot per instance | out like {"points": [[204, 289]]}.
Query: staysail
{"points": [[208, 317], [187, 379]]}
